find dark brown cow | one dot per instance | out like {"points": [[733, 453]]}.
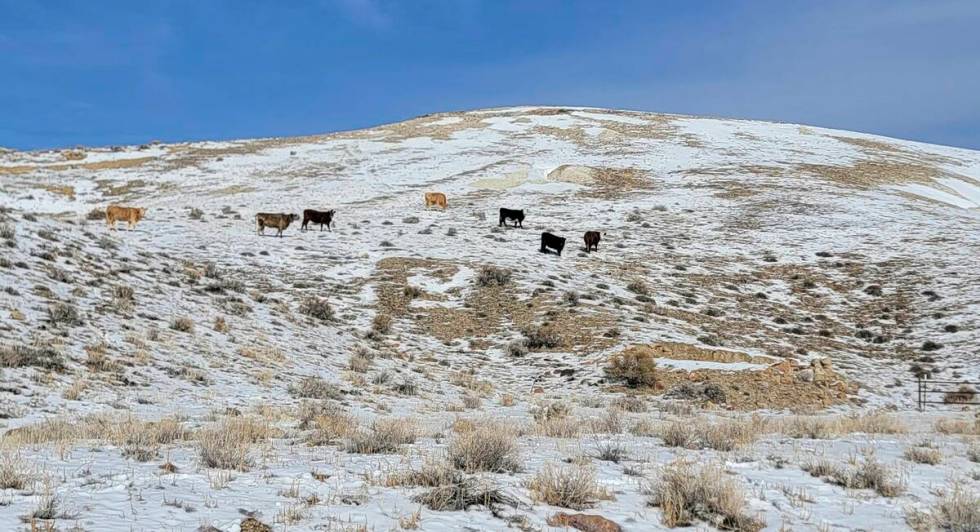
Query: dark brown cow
{"points": [[278, 220], [317, 217], [592, 239]]}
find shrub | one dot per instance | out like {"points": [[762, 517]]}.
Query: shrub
{"points": [[412, 292], [7, 232], [182, 324], [329, 424], [572, 487], [686, 493], [40, 356], [487, 447], [381, 324], [964, 394], [638, 287], [517, 348], [923, 454], [492, 276], [948, 425], [317, 308], [196, 214], [95, 214], [384, 436], [12, 475], [542, 337], [461, 493], [635, 368], [865, 473], [973, 452], [62, 313], [226, 444], [360, 361], [958, 510], [571, 298], [313, 387]]}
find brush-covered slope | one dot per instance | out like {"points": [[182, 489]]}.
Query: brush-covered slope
{"points": [[735, 253]]}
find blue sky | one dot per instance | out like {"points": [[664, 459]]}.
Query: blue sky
{"points": [[121, 72]]}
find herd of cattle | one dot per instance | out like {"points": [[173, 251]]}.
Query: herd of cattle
{"points": [[280, 221]]}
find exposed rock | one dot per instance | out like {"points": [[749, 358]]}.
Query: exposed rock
{"points": [[251, 524], [584, 522]]}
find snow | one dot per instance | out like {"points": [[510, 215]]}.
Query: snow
{"points": [[699, 234]]}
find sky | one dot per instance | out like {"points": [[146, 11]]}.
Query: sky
{"points": [[119, 72]]}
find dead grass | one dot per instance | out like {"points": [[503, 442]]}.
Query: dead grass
{"points": [[38, 355], [634, 368], [317, 308], [489, 446], [383, 437], [492, 276], [687, 493], [572, 487], [949, 425], [330, 425], [826, 427], [314, 387], [724, 435], [227, 444], [864, 472], [12, 472], [923, 454]]}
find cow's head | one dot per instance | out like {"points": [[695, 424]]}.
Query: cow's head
{"points": [[140, 213], [332, 212], [293, 217]]}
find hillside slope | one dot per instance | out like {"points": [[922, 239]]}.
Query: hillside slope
{"points": [[744, 255]]}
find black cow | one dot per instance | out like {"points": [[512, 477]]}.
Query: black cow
{"points": [[511, 214], [317, 217], [554, 242]]}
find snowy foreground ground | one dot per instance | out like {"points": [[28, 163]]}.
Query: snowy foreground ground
{"points": [[741, 352]]}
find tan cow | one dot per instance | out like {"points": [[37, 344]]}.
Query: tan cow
{"points": [[118, 213], [275, 220], [435, 198]]}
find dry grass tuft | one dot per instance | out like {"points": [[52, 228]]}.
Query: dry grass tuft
{"points": [[182, 324], [317, 308], [634, 368], [313, 387], [227, 444], [489, 446], [12, 474], [572, 487], [827, 427], [924, 454], [39, 356], [329, 424], [461, 493], [949, 425], [726, 435], [384, 436], [687, 493], [865, 472], [492, 276]]}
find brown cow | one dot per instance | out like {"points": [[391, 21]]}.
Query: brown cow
{"points": [[278, 220], [435, 198], [592, 239], [131, 215]]}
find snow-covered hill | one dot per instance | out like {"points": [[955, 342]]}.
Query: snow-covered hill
{"points": [[741, 254]]}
